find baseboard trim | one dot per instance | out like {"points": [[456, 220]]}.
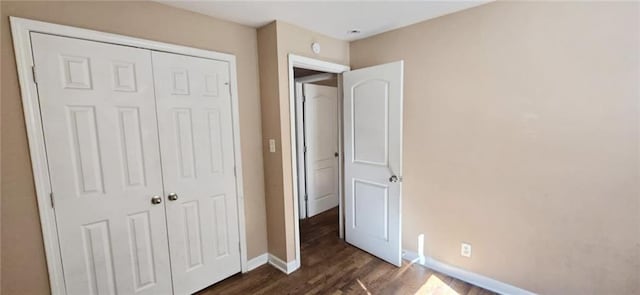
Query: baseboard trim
{"points": [[285, 267], [467, 276], [257, 261]]}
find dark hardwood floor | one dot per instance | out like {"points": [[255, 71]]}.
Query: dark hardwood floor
{"points": [[331, 266]]}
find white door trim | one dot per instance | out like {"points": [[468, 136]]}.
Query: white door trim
{"points": [[21, 29], [316, 78], [317, 65], [301, 179]]}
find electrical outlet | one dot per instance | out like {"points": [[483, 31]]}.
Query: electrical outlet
{"points": [[465, 250], [272, 145]]}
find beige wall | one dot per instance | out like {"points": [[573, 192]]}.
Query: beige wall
{"points": [[521, 126], [268, 58], [521, 130], [23, 263], [275, 122]]}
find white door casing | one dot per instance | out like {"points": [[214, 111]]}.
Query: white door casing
{"points": [[98, 112], [195, 126], [373, 159], [301, 178], [321, 140]]}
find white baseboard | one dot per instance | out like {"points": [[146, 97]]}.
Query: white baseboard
{"points": [[284, 267], [467, 276], [257, 261]]}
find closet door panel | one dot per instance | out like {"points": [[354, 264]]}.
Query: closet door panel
{"points": [[195, 125], [99, 119]]}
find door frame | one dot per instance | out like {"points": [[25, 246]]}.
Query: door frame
{"points": [[323, 66], [21, 29]]}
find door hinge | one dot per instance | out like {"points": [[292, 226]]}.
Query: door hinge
{"points": [[306, 197], [304, 94], [33, 73], [51, 198], [304, 149], [239, 247], [235, 171]]}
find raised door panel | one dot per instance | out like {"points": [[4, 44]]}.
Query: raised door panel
{"points": [[142, 251], [220, 220], [371, 208], [195, 127], [99, 119], [183, 140], [215, 142], [192, 235], [131, 140], [124, 76], [97, 255], [84, 146], [370, 122]]}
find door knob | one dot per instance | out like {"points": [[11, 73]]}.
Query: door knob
{"points": [[172, 196], [393, 178], [156, 200]]}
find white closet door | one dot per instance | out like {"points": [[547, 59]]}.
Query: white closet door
{"points": [[321, 139], [99, 120], [194, 119]]}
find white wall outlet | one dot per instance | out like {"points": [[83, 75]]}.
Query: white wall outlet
{"points": [[272, 145], [465, 250]]}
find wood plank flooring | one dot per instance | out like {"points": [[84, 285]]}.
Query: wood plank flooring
{"points": [[331, 266]]}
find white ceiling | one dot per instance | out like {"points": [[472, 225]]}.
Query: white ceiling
{"points": [[332, 18]]}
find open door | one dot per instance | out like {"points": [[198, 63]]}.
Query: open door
{"points": [[373, 159]]}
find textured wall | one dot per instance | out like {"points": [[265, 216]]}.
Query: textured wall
{"points": [[521, 131]]}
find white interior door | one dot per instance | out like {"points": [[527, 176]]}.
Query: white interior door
{"points": [[321, 140], [373, 159], [195, 124], [99, 119]]}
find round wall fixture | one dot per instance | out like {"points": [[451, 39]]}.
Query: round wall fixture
{"points": [[315, 47]]}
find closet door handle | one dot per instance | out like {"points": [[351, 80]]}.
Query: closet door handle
{"points": [[155, 200], [172, 196]]}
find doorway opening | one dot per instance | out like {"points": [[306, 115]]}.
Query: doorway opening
{"points": [[317, 152], [369, 124], [316, 142]]}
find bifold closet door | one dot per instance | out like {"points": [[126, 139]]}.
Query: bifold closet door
{"points": [[98, 113], [195, 125]]}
